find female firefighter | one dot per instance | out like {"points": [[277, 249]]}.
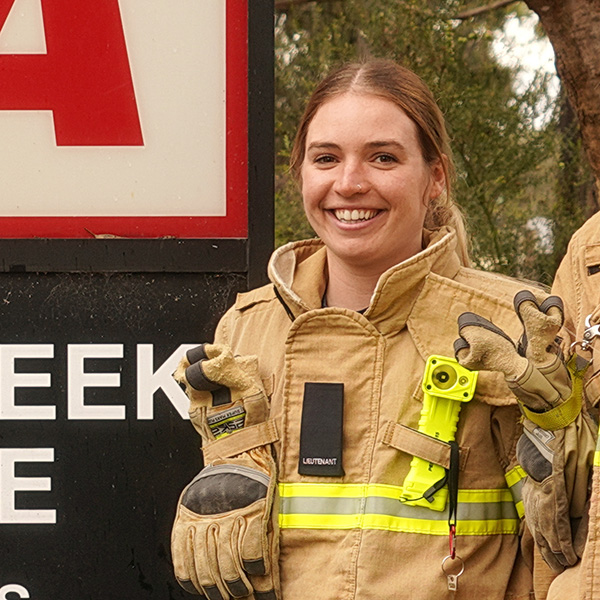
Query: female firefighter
{"points": [[325, 475]]}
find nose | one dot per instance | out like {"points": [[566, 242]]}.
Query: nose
{"points": [[351, 179]]}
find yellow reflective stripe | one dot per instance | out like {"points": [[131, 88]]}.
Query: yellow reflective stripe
{"points": [[515, 478], [339, 490], [364, 490], [597, 453], [490, 496], [378, 506], [520, 508], [397, 524], [515, 475], [559, 416], [564, 414]]}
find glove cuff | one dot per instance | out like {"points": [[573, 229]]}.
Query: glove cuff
{"points": [[243, 440]]}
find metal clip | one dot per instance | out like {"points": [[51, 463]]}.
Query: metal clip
{"points": [[591, 331], [452, 540]]}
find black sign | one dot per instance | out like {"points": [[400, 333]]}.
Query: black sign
{"points": [[95, 446]]}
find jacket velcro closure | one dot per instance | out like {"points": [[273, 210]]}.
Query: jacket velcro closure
{"points": [[241, 441], [433, 326], [423, 446]]}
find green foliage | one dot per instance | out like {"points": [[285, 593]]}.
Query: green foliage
{"points": [[503, 160], [575, 184]]}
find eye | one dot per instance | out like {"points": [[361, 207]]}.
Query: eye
{"points": [[324, 159], [385, 158]]}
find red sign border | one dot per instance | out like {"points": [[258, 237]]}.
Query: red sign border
{"points": [[233, 225]]}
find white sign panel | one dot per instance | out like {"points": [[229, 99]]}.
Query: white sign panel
{"points": [[114, 115]]}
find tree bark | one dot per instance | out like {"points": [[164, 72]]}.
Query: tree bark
{"points": [[573, 28]]}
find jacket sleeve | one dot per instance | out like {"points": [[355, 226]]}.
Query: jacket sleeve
{"points": [[568, 285], [506, 430], [222, 332], [577, 282]]}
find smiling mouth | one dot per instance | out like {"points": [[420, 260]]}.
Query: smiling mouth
{"points": [[354, 216]]}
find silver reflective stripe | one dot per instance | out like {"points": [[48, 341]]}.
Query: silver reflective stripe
{"points": [[373, 506], [473, 511]]}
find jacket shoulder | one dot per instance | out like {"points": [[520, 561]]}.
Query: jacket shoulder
{"points": [[254, 313], [487, 294], [257, 296], [589, 232], [496, 285], [433, 322]]}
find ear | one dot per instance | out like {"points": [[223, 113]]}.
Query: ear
{"points": [[438, 177]]}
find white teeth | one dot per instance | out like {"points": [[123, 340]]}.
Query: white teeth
{"points": [[353, 216]]}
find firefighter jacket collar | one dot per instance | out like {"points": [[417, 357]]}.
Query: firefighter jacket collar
{"points": [[298, 271], [418, 294]]}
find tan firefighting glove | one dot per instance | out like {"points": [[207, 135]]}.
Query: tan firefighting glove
{"points": [[224, 541], [549, 394]]}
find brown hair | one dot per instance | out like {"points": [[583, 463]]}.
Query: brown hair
{"points": [[391, 81]]}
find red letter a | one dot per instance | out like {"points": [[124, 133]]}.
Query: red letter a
{"points": [[84, 78]]}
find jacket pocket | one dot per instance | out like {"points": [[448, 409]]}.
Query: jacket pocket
{"points": [[592, 259]]}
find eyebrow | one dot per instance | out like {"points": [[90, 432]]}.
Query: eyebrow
{"points": [[323, 146], [386, 143], [374, 144]]}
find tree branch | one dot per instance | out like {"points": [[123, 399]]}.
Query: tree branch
{"points": [[287, 4], [467, 14], [480, 10]]}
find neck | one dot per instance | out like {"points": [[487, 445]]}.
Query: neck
{"points": [[349, 287]]}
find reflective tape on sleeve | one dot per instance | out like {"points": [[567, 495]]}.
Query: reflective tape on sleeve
{"points": [[564, 414], [376, 506], [515, 478], [597, 453]]}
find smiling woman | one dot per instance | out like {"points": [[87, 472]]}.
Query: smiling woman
{"points": [[366, 190], [341, 338], [397, 164]]}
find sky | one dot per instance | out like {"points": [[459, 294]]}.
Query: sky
{"points": [[517, 46]]}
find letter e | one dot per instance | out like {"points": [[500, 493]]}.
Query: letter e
{"points": [[10, 483]]}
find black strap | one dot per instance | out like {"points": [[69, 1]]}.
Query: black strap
{"points": [[450, 478], [438, 485], [453, 483], [452, 474], [469, 319]]}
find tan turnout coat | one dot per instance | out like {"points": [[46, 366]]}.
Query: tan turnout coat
{"points": [[578, 283], [350, 538]]}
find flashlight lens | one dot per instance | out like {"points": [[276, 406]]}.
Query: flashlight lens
{"points": [[444, 377]]}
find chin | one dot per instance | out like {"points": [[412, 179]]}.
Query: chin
{"points": [[362, 259]]}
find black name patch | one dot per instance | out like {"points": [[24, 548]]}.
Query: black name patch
{"points": [[322, 430]]}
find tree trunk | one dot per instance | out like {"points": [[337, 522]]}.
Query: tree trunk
{"points": [[573, 28]]}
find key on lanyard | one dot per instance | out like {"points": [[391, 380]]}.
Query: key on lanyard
{"points": [[453, 577]]}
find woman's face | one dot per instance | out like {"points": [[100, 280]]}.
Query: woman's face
{"points": [[365, 183]]}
